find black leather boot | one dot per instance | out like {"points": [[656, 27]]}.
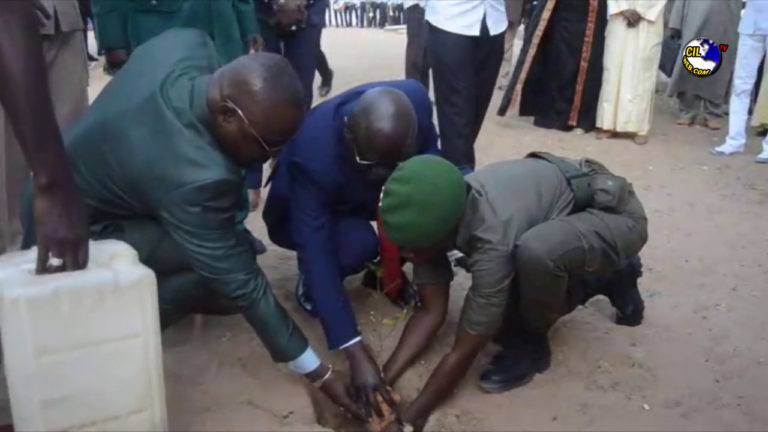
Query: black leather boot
{"points": [[516, 365], [624, 294]]}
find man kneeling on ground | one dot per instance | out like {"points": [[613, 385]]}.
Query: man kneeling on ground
{"points": [[160, 158], [542, 235]]}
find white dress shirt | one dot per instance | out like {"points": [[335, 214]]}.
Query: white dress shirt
{"points": [[465, 17]]}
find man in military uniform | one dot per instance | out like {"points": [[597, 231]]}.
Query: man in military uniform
{"points": [[123, 25], [541, 235], [160, 160]]}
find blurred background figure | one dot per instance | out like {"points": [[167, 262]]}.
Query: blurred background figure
{"points": [[753, 47], [465, 41], [716, 20], [629, 75], [514, 10], [416, 58]]}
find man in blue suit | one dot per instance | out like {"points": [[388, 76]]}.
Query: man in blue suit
{"points": [[325, 193]]}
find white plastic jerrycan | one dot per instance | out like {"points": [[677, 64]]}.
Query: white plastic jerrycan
{"points": [[82, 349]]}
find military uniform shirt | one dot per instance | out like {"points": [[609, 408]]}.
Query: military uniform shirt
{"points": [[504, 200]]}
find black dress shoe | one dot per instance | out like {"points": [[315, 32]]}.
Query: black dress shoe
{"points": [[325, 85], [516, 366], [625, 295], [303, 298]]}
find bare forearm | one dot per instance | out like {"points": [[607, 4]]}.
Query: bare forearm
{"points": [[417, 334], [443, 381], [25, 95]]}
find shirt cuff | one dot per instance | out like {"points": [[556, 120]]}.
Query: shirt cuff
{"points": [[352, 342], [305, 363]]}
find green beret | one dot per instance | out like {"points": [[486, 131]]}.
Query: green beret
{"points": [[422, 202]]}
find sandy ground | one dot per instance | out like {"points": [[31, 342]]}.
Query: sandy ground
{"points": [[699, 361]]}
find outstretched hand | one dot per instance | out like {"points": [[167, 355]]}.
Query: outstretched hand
{"points": [[367, 382]]}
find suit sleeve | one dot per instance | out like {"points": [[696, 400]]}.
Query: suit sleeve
{"points": [[246, 18], [201, 218], [254, 177], [111, 19], [313, 230]]}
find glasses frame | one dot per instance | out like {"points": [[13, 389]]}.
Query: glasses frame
{"points": [[267, 148]]}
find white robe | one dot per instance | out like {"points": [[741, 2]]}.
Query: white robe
{"points": [[630, 62]]}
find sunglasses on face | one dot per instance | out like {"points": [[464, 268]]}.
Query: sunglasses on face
{"points": [[271, 150]]}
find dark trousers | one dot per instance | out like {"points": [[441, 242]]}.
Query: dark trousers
{"points": [[349, 13], [464, 70], [323, 68], [338, 17], [361, 18], [301, 50], [356, 241], [382, 14], [416, 59]]}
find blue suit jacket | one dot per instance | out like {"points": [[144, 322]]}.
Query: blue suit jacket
{"points": [[316, 180]]}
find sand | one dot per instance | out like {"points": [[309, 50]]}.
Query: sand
{"points": [[698, 362]]}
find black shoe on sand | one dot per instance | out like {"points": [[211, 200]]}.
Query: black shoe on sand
{"points": [[517, 365], [325, 86]]}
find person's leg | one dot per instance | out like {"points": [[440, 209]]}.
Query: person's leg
{"points": [[415, 48], [326, 74], [552, 260], [489, 54], [689, 106], [453, 75], [748, 57], [14, 174], [763, 156], [358, 245], [301, 51]]}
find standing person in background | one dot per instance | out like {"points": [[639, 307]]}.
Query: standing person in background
{"points": [[123, 25], [753, 47], [760, 115], [466, 45], [86, 13], [416, 58], [558, 75], [66, 66], [338, 12], [363, 10], [629, 75], [293, 28], [514, 10], [718, 21], [326, 74]]}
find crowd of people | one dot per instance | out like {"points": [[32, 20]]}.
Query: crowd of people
{"points": [[223, 87], [365, 13]]}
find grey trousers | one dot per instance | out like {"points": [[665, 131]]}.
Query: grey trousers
{"points": [[692, 106], [65, 58], [416, 59]]}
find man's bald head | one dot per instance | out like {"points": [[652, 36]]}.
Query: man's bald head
{"points": [[383, 126], [266, 90]]}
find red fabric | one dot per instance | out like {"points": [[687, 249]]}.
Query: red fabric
{"points": [[391, 268]]}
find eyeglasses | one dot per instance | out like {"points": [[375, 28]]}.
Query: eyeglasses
{"points": [[271, 150]]}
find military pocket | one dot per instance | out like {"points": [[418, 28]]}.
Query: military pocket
{"points": [[610, 193]]}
